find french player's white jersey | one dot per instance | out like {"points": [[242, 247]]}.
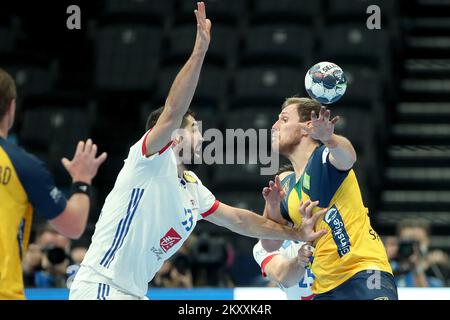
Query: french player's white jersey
{"points": [[289, 249], [145, 219]]}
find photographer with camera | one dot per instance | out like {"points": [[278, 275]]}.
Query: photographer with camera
{"points": [[47, 259], [413, 263]]}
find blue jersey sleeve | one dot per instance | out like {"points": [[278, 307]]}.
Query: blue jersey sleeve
{"points": [[46, 199], [322, 179]]}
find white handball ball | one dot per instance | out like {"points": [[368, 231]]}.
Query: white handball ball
{"points": [[325, 82]]}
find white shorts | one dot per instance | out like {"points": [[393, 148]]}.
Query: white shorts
{"points": [[85, 290]]}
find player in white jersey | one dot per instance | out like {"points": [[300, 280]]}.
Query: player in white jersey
{"points": [[155, 204], [288, 267]]}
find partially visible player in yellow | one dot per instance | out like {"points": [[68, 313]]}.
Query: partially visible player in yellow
{"points": [[350, 261], [26, 186]]}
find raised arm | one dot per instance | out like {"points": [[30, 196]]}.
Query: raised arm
{"points": [[342, 153], [183, 88]]}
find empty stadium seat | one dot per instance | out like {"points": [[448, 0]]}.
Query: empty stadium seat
{"points": [[53, 131], [285, 9], [363, 84], [150, 8], [222, 49], [211, 87], [279, 42], [357, 9], [217, 10], [267, 84], [353, 43], [127, 57], [7, 41], [252, 118]]}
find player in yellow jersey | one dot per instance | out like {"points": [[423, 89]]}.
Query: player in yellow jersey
{"points": [[349, 261], [26, 186]]}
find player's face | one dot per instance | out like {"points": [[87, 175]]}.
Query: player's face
{"points": [[285, 132], [195, 137]]}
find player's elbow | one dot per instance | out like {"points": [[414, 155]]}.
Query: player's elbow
{"points": [[74, 231]]}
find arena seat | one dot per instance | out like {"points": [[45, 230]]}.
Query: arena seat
{"points": [[277, 41], [126, 57], [222, 49]]}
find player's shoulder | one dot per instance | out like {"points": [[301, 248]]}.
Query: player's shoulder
{"points": [[20, 158]]}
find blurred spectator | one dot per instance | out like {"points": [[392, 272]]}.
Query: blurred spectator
{"points": [[412, 262], [213, 258], [176, 272], [47, 259]]}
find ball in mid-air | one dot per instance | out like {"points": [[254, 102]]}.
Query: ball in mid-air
{"points": [[325, 82]]}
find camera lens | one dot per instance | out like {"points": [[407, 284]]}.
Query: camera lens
{"points": [[55, 255]]}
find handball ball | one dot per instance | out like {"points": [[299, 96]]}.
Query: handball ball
{"points": [[325, 82]]}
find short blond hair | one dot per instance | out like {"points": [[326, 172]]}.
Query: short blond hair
{"points": [[304, 107], [8, 91]]}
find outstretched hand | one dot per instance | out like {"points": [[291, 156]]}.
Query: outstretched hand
{"points": [[309, 220], [322, 128], [203, 29], [85, 163], [274, 193]]}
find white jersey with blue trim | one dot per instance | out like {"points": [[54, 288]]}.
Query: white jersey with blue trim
{"points": [[145, 219], [289, 249]]}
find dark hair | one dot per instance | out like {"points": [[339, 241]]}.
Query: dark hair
{"points": [[8, 91], [304, 107], [155, 114], [413, 223]]}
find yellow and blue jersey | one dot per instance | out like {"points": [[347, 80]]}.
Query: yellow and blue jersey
{"points": [[25, 186], [350, 245]]}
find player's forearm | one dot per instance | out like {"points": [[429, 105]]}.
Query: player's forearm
{"points": [[271, 213], [342, 152], [72, 222], [256, 226], [290, 273], [183, 88]]}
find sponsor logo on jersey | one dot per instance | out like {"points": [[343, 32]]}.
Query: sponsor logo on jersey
{"points": [[306, 181], [334, 220], [169, 240], [189, 178], [55, 194]]}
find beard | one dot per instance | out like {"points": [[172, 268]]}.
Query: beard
{"points": [[287, 146]]}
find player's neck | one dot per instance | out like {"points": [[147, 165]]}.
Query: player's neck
{"points": [[300, 156], [4, 128], [181, 169]]}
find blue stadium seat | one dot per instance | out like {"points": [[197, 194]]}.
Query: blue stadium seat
{"points": [[279, 42], [126, 57]]}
